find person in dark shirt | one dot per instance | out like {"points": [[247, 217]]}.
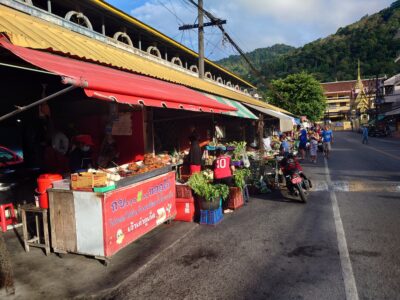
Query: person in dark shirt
{"points": [[81, 156], [195, 153]]}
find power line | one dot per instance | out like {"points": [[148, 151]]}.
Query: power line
{"points": [[216, 45], [173, 13], [241, 52], [173, 7]]}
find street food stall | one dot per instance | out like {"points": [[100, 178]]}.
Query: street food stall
{"points": [[102, 223]]}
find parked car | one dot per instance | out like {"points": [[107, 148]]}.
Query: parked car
{"points": [[9, 158], [378, 130], [17, 183]]}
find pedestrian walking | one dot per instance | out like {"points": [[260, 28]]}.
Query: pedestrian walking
{"points": [[365, 135], [313, 149], [327, 139], [303, 143]]}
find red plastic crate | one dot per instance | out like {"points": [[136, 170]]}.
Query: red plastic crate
{"points": [[235, 199], [185, 209], [183, 191]]}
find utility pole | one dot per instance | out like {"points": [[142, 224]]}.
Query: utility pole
{"points": [[201, 39], [200, 26], [256, 72]]}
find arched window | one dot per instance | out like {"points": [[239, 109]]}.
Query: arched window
{"points": [[208, 75], [177, 61], [246, 91], [194, 69], [153, 50], [78, 18], [219, 80], [123, 37], [237, 87], [229, 84]]}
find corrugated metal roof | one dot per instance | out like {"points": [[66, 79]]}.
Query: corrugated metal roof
{"points": [[344, 86], [155, 32], [30, 32]]}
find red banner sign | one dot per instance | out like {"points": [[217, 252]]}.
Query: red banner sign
{"points": [[130, 212]]}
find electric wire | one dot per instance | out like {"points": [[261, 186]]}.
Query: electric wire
{"points": [[173, 13], [254, 70]]}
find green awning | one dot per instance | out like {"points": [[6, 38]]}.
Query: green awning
{"points": [[242, 111], [380, 117]]}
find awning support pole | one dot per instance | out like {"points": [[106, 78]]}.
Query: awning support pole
{"points": [[23, 108], [261, 133]]}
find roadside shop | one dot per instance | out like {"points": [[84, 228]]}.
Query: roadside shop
{"points": [[99, 212], [129, 133]]}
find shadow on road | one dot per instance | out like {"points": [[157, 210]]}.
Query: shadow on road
{"points": [[278, 196]]}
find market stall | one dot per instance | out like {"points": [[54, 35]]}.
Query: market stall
{"points": [[102, 223], [100, 210]]}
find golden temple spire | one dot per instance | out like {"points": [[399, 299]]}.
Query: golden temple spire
{"points": [[359, 84]]}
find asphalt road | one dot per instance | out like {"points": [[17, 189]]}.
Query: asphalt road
{"points": [[344, 243]]}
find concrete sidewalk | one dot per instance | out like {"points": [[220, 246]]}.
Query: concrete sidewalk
{"points": [[38, 276]]}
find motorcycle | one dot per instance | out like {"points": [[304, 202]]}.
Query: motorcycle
{"points": [[297, 183]]}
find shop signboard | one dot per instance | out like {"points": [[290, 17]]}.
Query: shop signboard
{"points": [[131, 212], [122, 125]]}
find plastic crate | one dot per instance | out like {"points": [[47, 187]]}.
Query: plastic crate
{"points": [[235, 200], [211, 217], [183, 191], [185, 210]]}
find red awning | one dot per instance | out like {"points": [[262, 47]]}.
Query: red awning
{"points": [[109, 84]]}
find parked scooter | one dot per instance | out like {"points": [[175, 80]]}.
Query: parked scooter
{"points": [[297, 183]]}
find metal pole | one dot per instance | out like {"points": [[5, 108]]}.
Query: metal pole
{"points": [[376, 99], [49, 6], [23, 108], [201, 39]]}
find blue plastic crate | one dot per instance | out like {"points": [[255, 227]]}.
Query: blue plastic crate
{"points": [[211, 217]]}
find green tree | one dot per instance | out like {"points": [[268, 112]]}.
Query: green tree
{"points": [[302, 95]]}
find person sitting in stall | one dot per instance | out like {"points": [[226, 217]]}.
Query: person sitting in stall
{"points": [[223, 168], [81, 154]]}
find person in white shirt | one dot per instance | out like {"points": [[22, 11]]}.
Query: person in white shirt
{"points": [[313, 149]]}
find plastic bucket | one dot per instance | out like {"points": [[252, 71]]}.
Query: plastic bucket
{"points": [[44, 182]]}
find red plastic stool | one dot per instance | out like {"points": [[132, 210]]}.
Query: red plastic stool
{"points": [[7, 221]]}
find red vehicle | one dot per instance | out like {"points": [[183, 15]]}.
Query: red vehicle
{"points": [[9, 158], [296, 181], [11, 165]]}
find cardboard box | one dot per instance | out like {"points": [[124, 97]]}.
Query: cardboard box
{"points": [[86, 180]]}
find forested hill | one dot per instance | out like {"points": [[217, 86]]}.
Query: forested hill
{"points": [[372, 40], [260, 57]]}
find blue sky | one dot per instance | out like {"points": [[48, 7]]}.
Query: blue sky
{"points": [[252, 23]]}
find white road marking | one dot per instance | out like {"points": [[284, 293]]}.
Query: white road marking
{"points": [[356, 186], [339, 186], [347, 270]]}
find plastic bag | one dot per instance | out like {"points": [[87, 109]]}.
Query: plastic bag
{"points": [[246, 161]]}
